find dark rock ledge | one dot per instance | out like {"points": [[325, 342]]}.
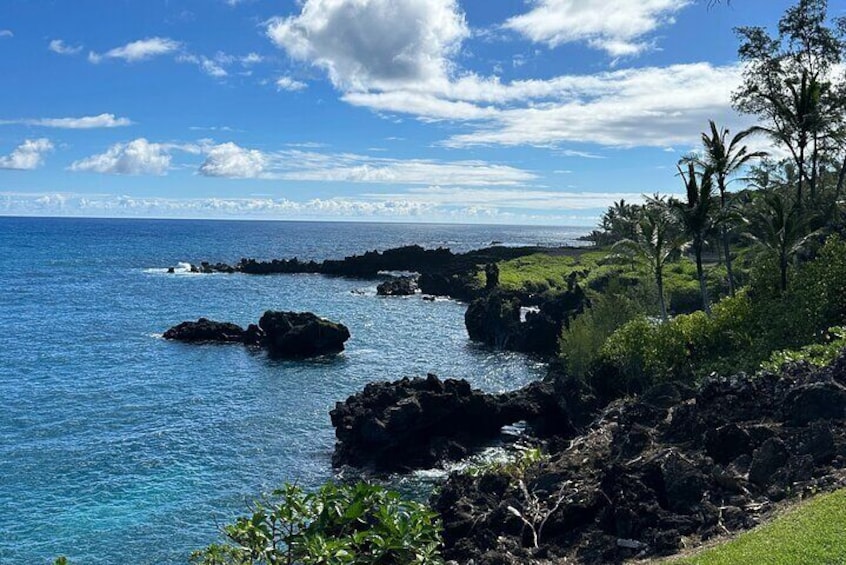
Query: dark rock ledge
{"points": [[283, 334], [422, 422], [650, 475]]}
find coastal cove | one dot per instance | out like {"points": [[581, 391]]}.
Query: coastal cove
{"points": [[121, 446]]}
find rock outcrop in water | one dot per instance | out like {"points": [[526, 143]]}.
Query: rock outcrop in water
{"points": [[495, 319], [399, 286], [205, 330], [671, 468], [283, 334], [292, 334], [422, 422]]}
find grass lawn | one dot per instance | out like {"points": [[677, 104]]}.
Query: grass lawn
{"points": [[813, 533]]}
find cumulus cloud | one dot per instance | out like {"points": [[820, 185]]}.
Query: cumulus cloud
{"points": [[62, 48], [83, 122], [655, 107], [27, 156], [138, 157], [140, 50], [398, 57], [649, 106], [6, 33], [289, 84], [615, 26], [366, 44], [231, 161]]}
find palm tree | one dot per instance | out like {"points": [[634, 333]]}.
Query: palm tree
{"points": [[698, 219], [724, 158], [653, 242], [778, 225]]}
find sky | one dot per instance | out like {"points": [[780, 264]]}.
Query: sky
{"points": [[470, 111]]}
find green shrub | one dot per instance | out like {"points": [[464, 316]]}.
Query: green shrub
{"points": [[338, 524], [514, 468], [818, 354], [689, 346], [583, 339]]}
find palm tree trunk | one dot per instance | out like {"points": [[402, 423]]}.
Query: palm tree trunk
{"points": [[703, 288], [801, 166], [659, 279], [782, 263], [727, 254], [721, 184]]}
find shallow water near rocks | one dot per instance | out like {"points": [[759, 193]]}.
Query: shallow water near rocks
{"points": [[119, 447]]}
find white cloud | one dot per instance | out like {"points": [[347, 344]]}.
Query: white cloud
{"points": [[138, 157], [27, 156], [251, 59], [289, 84], [524, 199], [84, 122], [655, 107], [212, 68], [396, 57], [366, 44], [231, 161], [433, 204], [6, 33], [615, 26], [140, 50], [62, 48]]}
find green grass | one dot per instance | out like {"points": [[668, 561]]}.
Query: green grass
{"points": [[812, 533], [542, 271]]}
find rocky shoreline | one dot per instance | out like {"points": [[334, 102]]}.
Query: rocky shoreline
{"points": [[621, 477], [638, 477]]}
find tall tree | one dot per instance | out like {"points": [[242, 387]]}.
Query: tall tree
{"points": [[779, 226], [699, 219], [791, 82], [724, 157], [654, 242]]}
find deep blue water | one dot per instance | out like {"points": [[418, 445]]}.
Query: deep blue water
{"points": [[118, 447]]}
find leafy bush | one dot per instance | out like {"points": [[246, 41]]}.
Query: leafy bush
{"points": [[514, 468], [819, 354], [338, 524], [645, 351], [742, 332], [583, 339]]}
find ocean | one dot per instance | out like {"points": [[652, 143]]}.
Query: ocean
{"points": [[118, 447]]}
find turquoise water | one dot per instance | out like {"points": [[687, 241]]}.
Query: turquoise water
{"points": [[119, 447]]}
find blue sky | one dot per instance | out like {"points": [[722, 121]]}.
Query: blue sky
{"points": [[506, 111]]}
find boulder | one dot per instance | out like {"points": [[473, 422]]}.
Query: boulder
{"points": [[400, 286], [816, 401], [421, 422], [301, 334], [494, 320], [767, 460], [205, 330]]}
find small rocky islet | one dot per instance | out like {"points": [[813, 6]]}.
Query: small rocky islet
{"points": [[620, 478], [282, 334]]}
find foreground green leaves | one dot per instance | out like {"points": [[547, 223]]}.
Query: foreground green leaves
{"points": [[337, 525]]}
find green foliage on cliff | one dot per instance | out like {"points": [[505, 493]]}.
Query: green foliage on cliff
{"points": [[743, 331], [358, 524]]}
